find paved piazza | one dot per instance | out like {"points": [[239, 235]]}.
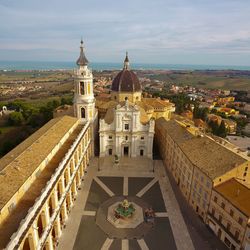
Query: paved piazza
{"points": [[92, 226]]}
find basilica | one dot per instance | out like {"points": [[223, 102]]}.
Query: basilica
{"points": [[126, 119]]}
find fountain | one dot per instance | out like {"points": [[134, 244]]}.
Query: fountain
{"points": [[124, 210]]}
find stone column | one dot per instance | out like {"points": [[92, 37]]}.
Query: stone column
{"points": [[45, 216], [68, 174], [76, 156], [78, 181], [86, 138], [81, 169], [118, 146], [54, 199], [74, 190], [33, 237], [64, 212], [61, 186], [73, 162], [57, 226], [102, 145], [69, 199], [49, 243], [87, 156], [133, 146], [86, 161], [80, 147]]}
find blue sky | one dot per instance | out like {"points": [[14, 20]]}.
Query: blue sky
{"points": [[156, 31]]}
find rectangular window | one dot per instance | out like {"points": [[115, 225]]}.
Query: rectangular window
{"points": [[126, 126], [220, 218], [213, 211], [231, 212], [240, 220], [223, 205], [110, 137], [237, 234], [142, 138], [227, 241], [215, 199]]}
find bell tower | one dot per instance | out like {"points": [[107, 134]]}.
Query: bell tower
{"points": [[84, 100]]}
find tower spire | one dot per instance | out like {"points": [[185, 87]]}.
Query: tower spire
{"points": [[126, 61], [82, 60]]}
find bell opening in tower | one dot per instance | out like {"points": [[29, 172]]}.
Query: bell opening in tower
{"points": [[83, 112], [82, 92]]}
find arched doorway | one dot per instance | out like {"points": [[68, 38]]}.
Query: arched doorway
{"points": [[26, 244], [53, 235], [40, 226], [82, 112], [50, 207]]}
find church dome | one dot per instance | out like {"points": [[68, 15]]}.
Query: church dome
{"points": [[126, 80]]}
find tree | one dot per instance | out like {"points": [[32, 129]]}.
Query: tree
{"points": [[214, 126], [222, 130], [16, 118], [200, 113], [36, 120], [7, 146], [68, 101]]}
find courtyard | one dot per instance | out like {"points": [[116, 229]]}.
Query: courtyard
{"points": [[142, 182]]}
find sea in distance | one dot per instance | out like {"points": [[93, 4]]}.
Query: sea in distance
{"points": [[32, 65]]}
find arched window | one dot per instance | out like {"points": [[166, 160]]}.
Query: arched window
{"points": [[82, 91], [40, 226], [82, 112], [26, 245]]}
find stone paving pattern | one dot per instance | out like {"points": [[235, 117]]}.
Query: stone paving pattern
{"points": [[170, 230]]}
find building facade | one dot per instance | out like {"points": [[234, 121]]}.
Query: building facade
{"points": [[126, 135], [197, 162], [229, 214]]}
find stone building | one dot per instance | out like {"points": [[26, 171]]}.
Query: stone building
{"points": [[39, 181], [197, 162], [229, 214]]}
